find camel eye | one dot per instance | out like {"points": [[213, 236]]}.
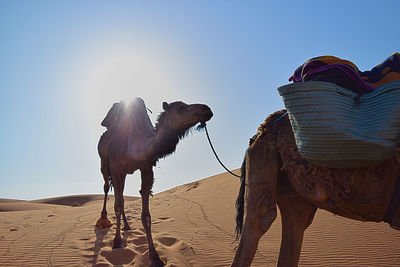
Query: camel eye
{"points": [[181, 109]]}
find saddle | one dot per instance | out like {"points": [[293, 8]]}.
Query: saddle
{"points": [[130, 128], [339, 118]]}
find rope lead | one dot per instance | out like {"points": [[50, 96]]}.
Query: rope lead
{"points": [[215, 153]]}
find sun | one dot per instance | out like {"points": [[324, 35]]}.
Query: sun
{"points": [[124, 76]]}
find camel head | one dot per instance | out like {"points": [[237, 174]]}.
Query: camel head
{"points": [[175, 122], [180, 116]]}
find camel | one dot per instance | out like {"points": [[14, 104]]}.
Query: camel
{"points": [[131, 144], [274, 174]]}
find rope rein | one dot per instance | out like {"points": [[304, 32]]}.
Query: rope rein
{"points": [[215, 153]]}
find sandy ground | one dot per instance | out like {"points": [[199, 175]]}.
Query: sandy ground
{"points": [[193, 225]]}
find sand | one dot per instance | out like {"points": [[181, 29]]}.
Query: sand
{"points": [[193, 225]]}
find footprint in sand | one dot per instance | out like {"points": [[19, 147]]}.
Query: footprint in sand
{"points": [[139, 240], [167, 241], [119, 256], [162, 219], [171, 250], [192, 186]]}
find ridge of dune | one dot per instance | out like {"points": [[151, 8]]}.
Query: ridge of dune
{"points": [[8, 205], [78, 200], [192, 225], [22, 206], [9, 200]]}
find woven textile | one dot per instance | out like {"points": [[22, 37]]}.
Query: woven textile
{"points": [[334, 127]]}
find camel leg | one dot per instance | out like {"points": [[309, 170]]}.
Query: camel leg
{"points": [[262, 166], [106, 190], [147, 184], [104, 221], [296, 215], [126, 225], [118, 206]]}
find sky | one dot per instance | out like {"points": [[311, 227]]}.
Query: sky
{"points": [[64, 63]]}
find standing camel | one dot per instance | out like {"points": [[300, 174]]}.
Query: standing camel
{"points": [[274, 173], [131, 144]]}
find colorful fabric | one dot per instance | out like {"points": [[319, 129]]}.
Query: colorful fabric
{"points": [[386, 72], [346, 74]]}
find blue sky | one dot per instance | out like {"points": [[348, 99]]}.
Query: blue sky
{"points": [[63, 64]]}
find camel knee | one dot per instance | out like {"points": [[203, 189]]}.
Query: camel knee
{"points": [[118, 210], [118, 207], [146, 221]]}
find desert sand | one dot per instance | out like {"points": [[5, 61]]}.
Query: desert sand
{"points": [[193, 225]]}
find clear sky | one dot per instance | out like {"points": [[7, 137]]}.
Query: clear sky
{"points": [[64, 63]]}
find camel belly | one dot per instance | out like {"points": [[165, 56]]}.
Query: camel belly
{"points": [[361, 194]]}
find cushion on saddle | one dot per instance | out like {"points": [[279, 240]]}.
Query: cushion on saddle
{"points": [[346, 74], [336, 127]]}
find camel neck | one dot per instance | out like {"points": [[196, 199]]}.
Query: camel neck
{"points": [[165, 142]]}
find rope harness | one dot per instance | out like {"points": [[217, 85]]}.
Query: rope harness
{"points": [[215, 153]]}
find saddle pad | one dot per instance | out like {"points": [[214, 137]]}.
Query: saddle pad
{"points": [[333, 127]]}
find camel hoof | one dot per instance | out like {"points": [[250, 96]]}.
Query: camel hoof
{"points": [[155, 260], [103, 223]]}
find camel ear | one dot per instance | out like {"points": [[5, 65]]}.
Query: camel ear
{"points": [[165, 105]]}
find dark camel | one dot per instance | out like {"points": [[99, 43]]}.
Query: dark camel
{"points": [[273, 173], [123, 151]]}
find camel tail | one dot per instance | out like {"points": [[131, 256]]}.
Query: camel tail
{"points": [[240, 201]]}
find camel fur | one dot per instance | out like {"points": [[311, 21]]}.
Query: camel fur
{"points": [[274, 174], [131, 143]]}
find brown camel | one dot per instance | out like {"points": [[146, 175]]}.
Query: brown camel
{"points": [[132, 144], [273, 173]]}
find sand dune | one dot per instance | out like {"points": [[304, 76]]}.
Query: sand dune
{"points": [[193, 225], [78, 200]]}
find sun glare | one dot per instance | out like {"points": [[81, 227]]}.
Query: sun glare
{"points": [[124, 76]]}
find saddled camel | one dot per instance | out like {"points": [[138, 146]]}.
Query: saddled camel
{"points": [[274, 173], [131, 143]]}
